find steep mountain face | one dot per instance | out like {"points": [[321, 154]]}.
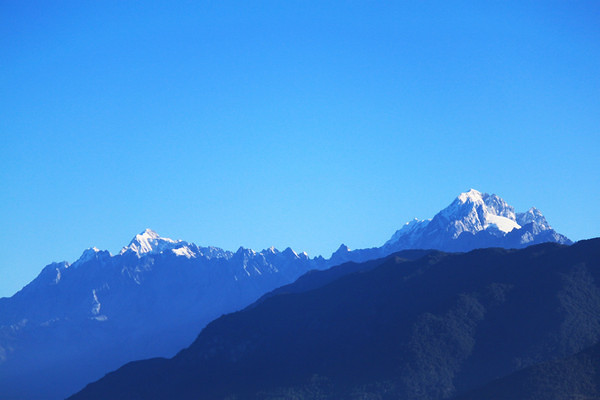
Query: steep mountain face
{"points": [[436, 327], [73, 323], [473, 220]]}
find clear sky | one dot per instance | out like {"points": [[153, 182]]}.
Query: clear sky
{"points": [[287, 123]]}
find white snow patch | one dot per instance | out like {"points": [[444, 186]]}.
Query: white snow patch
{"points": [[58, 276], [184, 252], [97, 305], [502, 223]]}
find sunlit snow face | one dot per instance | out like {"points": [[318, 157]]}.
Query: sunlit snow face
{"points": [[471, 211], [150, 242]]}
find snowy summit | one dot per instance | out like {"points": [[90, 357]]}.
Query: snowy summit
{"points": [[150, 242], [474, 211], [473, 220]]}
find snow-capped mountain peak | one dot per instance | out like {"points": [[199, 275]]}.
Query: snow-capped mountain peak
{"points": [[472, 196], [484, 219], [150, 242], [474, 211]]}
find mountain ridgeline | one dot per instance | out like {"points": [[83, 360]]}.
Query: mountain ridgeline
{"points": [[76, 322]]}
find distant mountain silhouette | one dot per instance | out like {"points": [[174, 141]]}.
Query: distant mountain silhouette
{"points": [[436, 327]]}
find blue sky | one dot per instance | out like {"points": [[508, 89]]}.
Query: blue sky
{"points": [[302, 124]]}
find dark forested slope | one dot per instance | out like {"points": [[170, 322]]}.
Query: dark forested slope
{"points": [[576, 377]]}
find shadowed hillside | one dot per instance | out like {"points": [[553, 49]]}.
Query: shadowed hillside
{"points": [[572, 378]]}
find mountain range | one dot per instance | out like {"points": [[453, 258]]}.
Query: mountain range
{"points": [[75, 322], [488, 324]]}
